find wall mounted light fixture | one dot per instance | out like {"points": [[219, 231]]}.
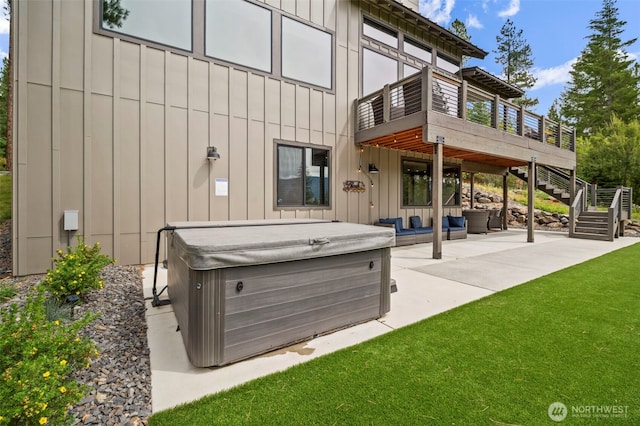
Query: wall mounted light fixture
{"points": [[373, 169], [212, 153]]}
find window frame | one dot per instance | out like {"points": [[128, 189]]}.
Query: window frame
{"points": [[294, 144], [429, 163], [332, 53], [99, 29], [272, 17], [198, 37]]}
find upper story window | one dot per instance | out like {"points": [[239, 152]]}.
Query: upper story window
{"points": [[302, 176], [380, 33], [448, 64], [418, 50], [306, 53], [253, 36], [239, 32], [171, 23], [377, 70]]}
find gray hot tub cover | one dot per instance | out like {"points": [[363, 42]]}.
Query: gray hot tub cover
{"points": [[240, 243]]}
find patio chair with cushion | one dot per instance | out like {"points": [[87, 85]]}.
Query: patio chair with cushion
{"points": [[495, 219], [424, 234], [456, 227], [403, 236]]}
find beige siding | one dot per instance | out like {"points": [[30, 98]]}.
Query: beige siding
{"points": [[119, 130]]}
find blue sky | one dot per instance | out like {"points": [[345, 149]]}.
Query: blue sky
{"points": [[555, 29]]}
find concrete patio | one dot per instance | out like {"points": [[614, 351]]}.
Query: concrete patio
{"points": [[469, 270]]}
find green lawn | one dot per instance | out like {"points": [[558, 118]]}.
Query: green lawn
{"points": [[571, 336], [5, 197]]}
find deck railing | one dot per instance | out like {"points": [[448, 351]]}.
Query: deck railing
{"points": [[447, 94]]}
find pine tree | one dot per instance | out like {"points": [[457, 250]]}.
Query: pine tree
{"points": [[460, 29], [516, 58], [605, 81]]}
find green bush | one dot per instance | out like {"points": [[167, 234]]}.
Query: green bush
{"points": [[77, 271], [37, 358], [7, 291]]}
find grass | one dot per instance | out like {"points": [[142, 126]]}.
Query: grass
{"points": [[5, 197], [543, 201], [571, 336]]}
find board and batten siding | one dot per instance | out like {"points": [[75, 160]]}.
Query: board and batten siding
{"points": [[118, 131]]}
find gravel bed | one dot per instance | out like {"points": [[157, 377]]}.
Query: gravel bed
{"points": [[120, 378]]}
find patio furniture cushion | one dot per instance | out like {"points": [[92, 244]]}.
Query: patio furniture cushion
{"points": [[423, 230], [406, 232], [456, 221], [396, 221], [415, 221], [445, 222]]}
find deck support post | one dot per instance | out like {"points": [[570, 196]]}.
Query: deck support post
{"points": [[436, 193], [531, 196], [505, 202], [472, 184]]}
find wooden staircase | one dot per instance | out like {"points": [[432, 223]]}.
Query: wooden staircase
{"points": [[592, 225], [545, 185]]}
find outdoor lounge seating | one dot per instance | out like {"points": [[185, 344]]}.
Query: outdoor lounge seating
{"points": [[404, 236], [424, 234], [495, 219], [455, 227]]}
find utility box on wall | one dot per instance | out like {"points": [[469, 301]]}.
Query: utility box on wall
{"points": [[71, 220]]}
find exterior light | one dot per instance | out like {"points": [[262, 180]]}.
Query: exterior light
{"points": [[212, 153], [373, 169]]}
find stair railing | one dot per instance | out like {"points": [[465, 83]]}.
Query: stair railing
{"points": [[614, 214], [576, 208]]}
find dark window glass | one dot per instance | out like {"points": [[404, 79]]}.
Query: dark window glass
{"points": [[416, 183], [451, 186], [303, 176], [165, 22]]}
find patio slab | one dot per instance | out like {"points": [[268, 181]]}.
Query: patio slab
{"points": [[470, 269]]}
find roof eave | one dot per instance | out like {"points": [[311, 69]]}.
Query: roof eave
{"points": [[468, 49]]}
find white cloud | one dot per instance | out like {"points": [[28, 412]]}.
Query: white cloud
{"points": [[512, 9], [437, 11], [473, 22], [554, 75], [4, 21]]}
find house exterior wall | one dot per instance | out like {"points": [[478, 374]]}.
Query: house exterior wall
{"points": [[118, 131]]}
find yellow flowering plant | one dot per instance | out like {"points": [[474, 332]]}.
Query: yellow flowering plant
{"points": [[37, 359], [77, 271]]}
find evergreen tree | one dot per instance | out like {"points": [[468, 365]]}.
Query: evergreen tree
{"points": [[605, 81], [460, 29], [516, 58]]}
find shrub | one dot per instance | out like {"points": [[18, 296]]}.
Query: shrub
{"points": [[77, 271], [7, 291], [37, 358]]}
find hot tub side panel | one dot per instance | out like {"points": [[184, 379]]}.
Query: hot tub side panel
{"points": [[196, 300], [274, 305]]}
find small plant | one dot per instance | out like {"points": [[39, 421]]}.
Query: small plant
{"points": [[57, 309], [37, 358], [7, 291], [77, 271]]}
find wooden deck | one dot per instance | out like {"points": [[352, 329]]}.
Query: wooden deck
{"points": [[480, 128]]}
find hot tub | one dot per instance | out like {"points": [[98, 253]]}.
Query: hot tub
{"points": [[239, 289]]}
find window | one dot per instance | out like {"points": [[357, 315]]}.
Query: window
{"points": [[416, 183], [171, 23], [302, 176], [380, 33], [408, 70], [306, 53], [451, 186], [448, 64], [377, 70], [239, 32], [416, 49]]}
